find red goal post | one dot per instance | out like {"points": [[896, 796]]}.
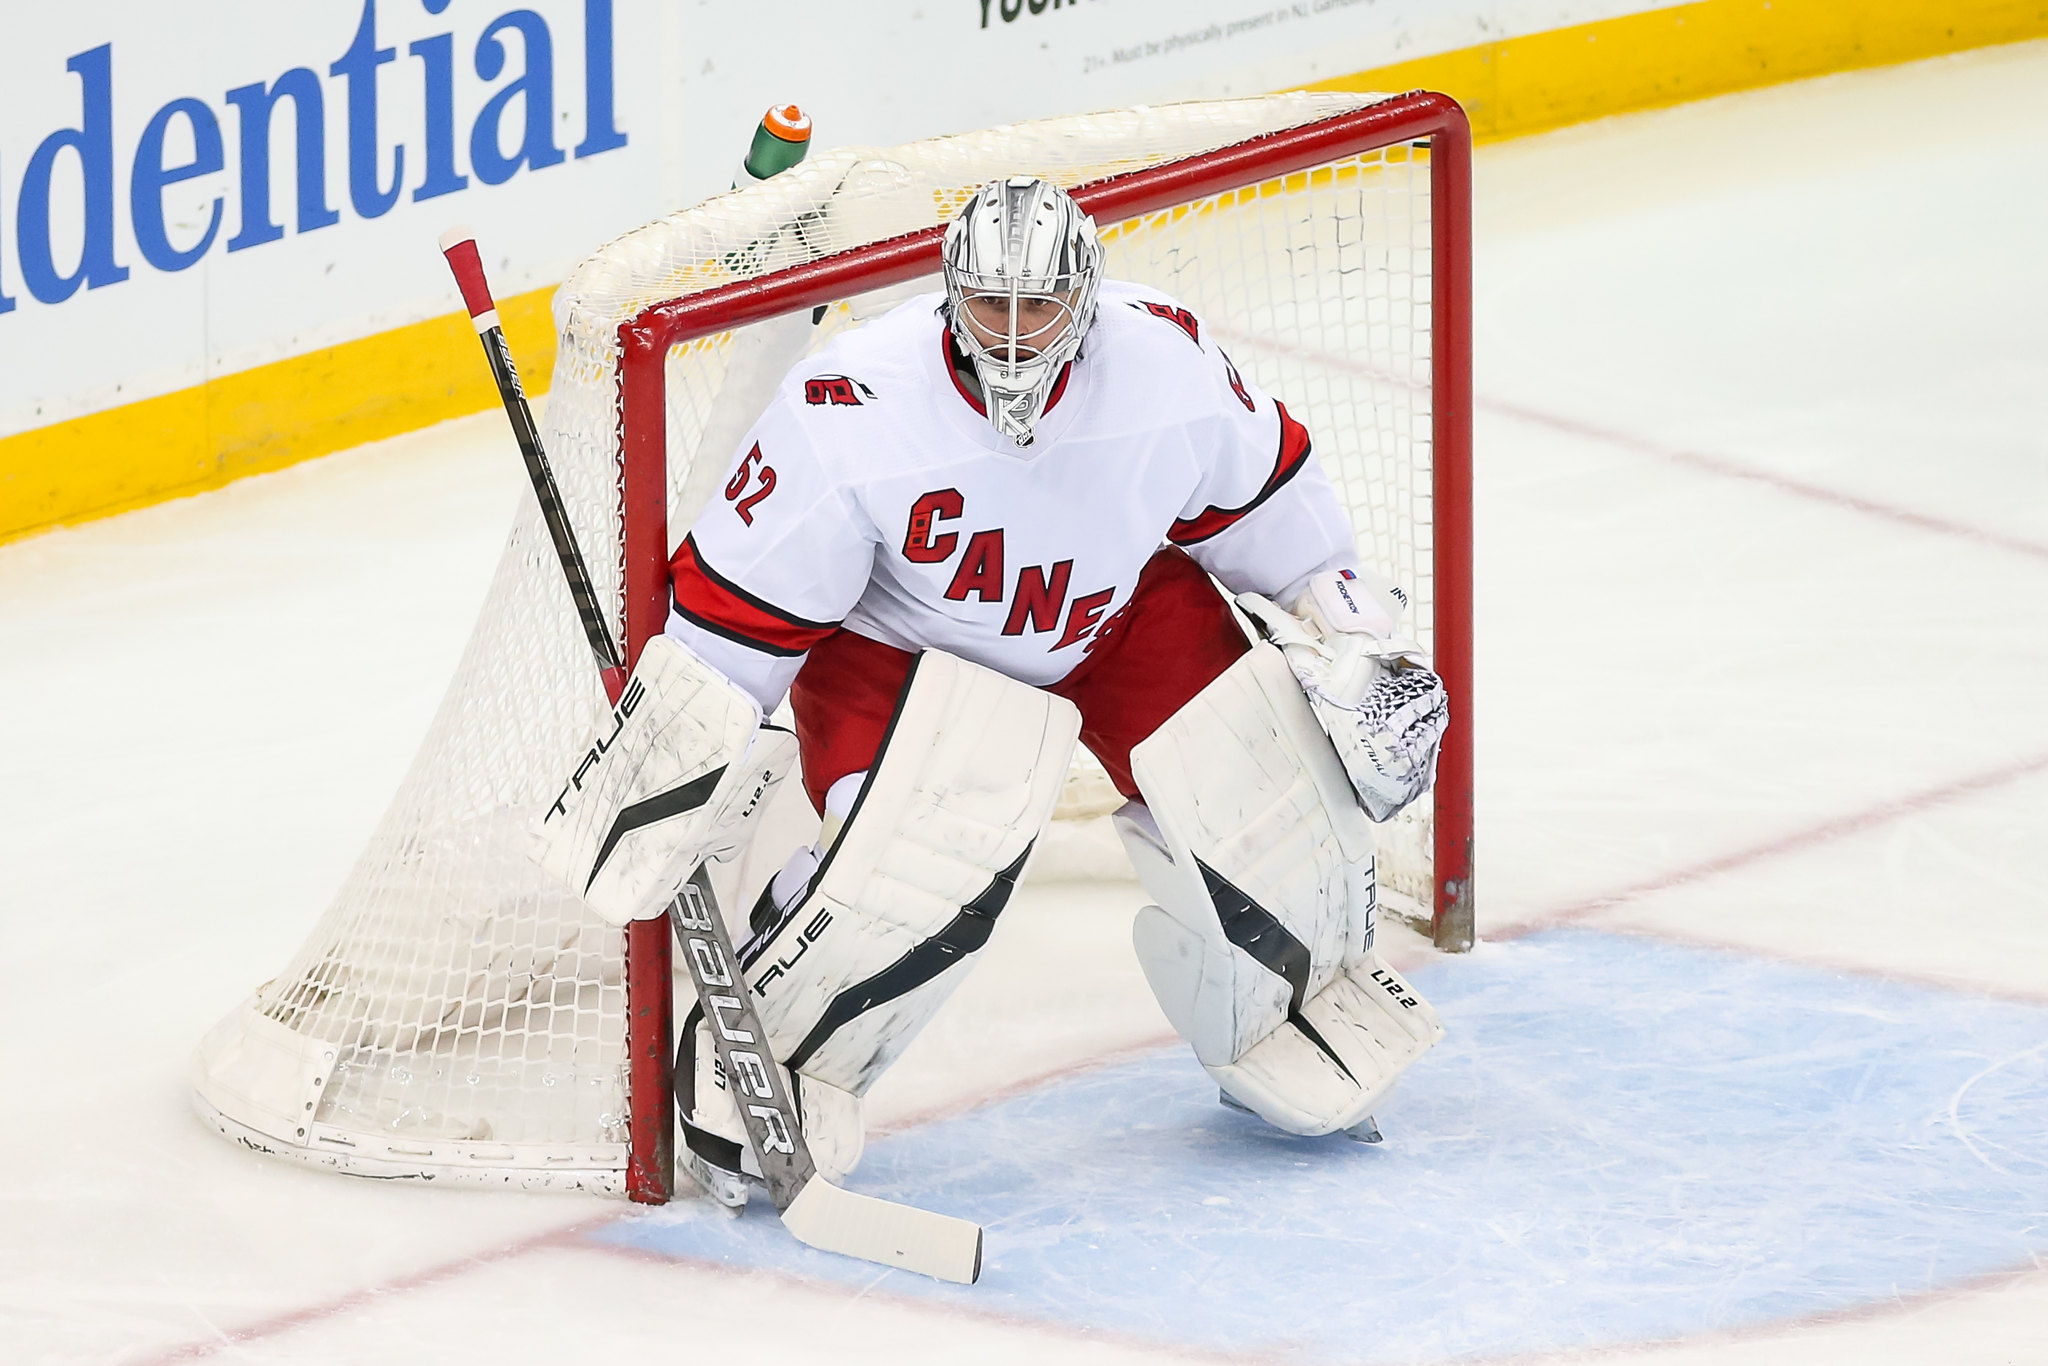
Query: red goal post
{"points": [[647, 339]]}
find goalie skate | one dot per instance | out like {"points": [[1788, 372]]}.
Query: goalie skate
{"points": [[715, 1152]]}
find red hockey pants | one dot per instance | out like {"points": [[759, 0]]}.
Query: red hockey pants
{"points": [[1168, 643]]}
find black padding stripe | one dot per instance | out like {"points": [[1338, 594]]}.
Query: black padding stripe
{"points": [[685, 1072], [764, 916], [1254, 929], [719, 1152], [1308, 1031], [961, 936], [674, 802]]}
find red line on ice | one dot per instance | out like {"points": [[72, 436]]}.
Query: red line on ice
{"points": [[572, 1235], [1872, 1311], [1709, 464], [1714, 464], [319, 1311], [1825, 832], [1048, 1328]]}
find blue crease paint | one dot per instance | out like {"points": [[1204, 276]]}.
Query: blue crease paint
{"points": [[1621, 1140]]}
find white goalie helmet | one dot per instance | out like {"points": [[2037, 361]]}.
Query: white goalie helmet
{"points": [[1022, 265]]}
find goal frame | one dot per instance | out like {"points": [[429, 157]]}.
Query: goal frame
{"points": [[646, 339]]}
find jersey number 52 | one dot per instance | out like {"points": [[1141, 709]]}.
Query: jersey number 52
{"points": [[745, 475]]}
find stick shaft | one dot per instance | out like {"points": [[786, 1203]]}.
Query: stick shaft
{"points": [[813, 1209], [463, 259], [766, 1107]]}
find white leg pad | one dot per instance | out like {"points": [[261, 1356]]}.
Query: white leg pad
{"points": [[830, 1117], [1370, 1019], [1260, 949], [907, 896]]}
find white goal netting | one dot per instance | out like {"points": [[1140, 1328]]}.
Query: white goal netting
{"points": [[453, 1015]]}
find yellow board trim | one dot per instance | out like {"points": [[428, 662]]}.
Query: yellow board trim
{"points": [[264, 418], [1690, 52], [398, 381]]}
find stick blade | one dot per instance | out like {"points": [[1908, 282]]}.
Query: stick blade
{"points": [[855, 1225]]}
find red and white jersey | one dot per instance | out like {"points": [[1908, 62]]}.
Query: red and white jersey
{"points": [[874, 494]]}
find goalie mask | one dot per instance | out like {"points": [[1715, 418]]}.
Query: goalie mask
{"points": [[1022, 264]]}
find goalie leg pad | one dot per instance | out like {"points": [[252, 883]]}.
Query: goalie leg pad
{"points": [[715, 1134], [682, 771], [1330, 1065], [1260, 947], [967, 777]]}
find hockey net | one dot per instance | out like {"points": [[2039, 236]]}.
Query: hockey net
{"points": [[453, 1015]]}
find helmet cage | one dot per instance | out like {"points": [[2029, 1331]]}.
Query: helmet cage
{"points": [[1024, 258]]}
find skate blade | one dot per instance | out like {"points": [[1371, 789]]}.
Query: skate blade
{"points": [[1365, 1131], [727, 1190]]}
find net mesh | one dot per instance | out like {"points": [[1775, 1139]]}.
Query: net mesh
{"points": [[475, 1013]]}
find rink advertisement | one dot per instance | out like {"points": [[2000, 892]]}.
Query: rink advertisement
{"points": [[217, 222], [190, 195]]}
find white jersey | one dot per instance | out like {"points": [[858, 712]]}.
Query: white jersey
{"points": [[873, 494]]}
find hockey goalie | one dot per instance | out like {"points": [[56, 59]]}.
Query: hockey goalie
{"points": [[985, 526]]}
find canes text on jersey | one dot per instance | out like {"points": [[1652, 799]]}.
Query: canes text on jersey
{"points": [[1039, 594]]}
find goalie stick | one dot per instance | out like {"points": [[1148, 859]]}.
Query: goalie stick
{"points": [[459, 246], [813, 1209]]}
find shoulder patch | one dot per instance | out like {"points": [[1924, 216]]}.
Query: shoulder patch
{"points": [[1179, 317], [823, 389]]}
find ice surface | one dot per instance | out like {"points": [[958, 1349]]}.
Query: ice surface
{"points": [[205, 705], [1621, 1140]]}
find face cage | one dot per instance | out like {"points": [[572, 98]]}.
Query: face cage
{"points": [[1016, 350], [1016, 389]]}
